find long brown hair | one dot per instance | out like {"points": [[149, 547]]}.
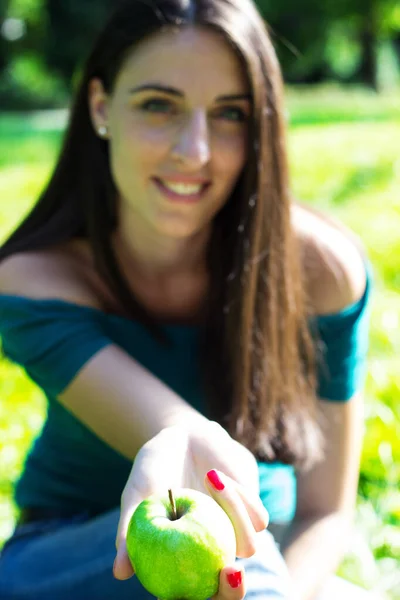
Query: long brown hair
{"points": [[258, 352]]}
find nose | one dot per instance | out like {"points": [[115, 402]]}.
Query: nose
{"points": [[192, 145]]}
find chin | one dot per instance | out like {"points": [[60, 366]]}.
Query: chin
{"points": [[179, 232]]}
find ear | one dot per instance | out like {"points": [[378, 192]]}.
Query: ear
{"points": [[98, 101]]}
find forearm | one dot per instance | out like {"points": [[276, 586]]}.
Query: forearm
{"points": [[124, 404], [313, 549]]}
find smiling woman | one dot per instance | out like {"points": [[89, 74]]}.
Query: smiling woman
{"points": [[177, 145], [183, 314]]}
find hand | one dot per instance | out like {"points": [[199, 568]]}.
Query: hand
{"points": [[179, 457]]}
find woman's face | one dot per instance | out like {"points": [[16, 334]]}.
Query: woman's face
{"points": [[177, 128]]}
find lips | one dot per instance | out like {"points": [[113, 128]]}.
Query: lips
{"points": [[186, 191]]}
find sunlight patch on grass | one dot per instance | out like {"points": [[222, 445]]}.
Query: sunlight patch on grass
{"points": [[19, 186]]}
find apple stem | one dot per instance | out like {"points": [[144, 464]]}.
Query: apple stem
{"points": [[173, 505]]}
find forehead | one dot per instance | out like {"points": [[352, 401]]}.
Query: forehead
{"points": [[191, 57]]}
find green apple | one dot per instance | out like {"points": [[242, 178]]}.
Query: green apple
{"points": [[178, 544]]}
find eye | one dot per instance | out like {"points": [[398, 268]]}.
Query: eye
{"points": [[232, 113], [157, 106]]}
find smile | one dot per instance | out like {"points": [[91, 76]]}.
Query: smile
{"points": [[178, 190]]}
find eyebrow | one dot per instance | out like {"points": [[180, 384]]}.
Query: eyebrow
{"points": [[155, 87]]}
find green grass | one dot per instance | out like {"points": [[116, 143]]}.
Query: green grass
{"points": [[344, 159], [344, 154]]}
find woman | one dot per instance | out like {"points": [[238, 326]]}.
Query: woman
{"points": [[177, 308]]}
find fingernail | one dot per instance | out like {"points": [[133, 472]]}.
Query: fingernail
{"points": [[215, 481], [235, 579]]}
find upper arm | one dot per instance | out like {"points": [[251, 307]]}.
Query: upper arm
{"points": [[123, 402], [70, 355], [333, 264], [331, 485], [335, 273]]}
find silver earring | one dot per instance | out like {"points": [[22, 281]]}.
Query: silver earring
{"points": [[102, 131]]}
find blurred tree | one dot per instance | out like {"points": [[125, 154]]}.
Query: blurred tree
{"points": [[301, 32], [3, 38], [23, 25], [23, 74], [390, 25], [43, 43], [367, 15]]}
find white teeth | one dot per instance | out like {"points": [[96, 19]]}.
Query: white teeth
{"points": [[183, 188]]}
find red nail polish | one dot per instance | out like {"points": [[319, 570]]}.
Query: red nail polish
{"points": [[235, 579], [215, 481]]}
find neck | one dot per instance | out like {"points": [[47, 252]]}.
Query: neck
{"points": [[153, 257]]}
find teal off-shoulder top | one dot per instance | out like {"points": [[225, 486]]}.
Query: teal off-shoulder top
{"points": [[68, 466]]}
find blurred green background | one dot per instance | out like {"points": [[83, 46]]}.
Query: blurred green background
{"points": [[341, 66], [350, 41]]}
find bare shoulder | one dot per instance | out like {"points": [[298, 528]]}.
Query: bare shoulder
{"points": [[332, 260], [48, 274]]}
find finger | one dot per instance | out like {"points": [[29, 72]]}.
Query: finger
{"points": [[245, 469], [122, 568], [257, 512], [127, 510], [223, 492], [231, 584]]}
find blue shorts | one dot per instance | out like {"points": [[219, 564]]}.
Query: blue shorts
{"points": [[72, 558]]}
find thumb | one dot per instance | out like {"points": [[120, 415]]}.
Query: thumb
{"points": [[231, 584], [122, 568]]}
